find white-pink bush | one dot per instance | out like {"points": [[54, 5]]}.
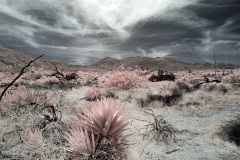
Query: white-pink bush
{"points": [[122, 80], [93, 94]]}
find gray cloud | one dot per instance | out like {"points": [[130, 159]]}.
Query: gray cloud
{"points": [[84, 31]]}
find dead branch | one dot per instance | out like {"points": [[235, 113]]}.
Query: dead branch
{"points": [[19, 75], [60, 75], [207, 80], [57, 72], [160, 129]]}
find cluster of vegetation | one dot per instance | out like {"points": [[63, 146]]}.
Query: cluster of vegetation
{"points": [[32, 115]]}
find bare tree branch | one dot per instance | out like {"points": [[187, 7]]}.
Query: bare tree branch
{"points": [[19, 75]]}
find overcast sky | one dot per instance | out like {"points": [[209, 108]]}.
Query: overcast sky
{"points": [[85, 31]]}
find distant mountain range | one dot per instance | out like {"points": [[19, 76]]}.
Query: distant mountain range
{"points": [[11, 60], [148, 63]]}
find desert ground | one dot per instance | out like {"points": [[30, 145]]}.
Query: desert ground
{"points": [[124, 113]]}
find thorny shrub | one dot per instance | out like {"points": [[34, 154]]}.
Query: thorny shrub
{"points": [[160, 129]]}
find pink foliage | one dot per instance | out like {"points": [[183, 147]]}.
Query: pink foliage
{"points": [[104, 117], [22, 96], [35, 138], [51, 98], [93, 94], [80, 141], [122, 80]]}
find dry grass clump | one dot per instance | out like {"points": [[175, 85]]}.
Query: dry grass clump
{"points": [[214, 87], [110, 94], [110, 149]]}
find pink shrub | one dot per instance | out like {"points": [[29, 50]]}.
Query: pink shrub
{"points": [[35, 138], [51, 98], [22, 96], [93, 94], [6, 79], [122, 80]]}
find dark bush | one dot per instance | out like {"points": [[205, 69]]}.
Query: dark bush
{"points": [[168, 100], [162, 76], [231, 131], [184, 87]]}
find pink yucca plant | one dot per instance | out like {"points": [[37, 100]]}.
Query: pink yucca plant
{"points": [[23, 96], [104, 117], [93, 94], [80, 141], [35, 138]]}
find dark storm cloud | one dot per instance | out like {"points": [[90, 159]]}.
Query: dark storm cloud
{"points": [[84, 31]]}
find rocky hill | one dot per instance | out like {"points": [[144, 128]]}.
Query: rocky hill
{"points": [[148, 63], [11, 60], [14, 61]]}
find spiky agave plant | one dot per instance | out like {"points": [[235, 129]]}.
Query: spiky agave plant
{"points": [[23, 96], [79, 140], [104, 117]]}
